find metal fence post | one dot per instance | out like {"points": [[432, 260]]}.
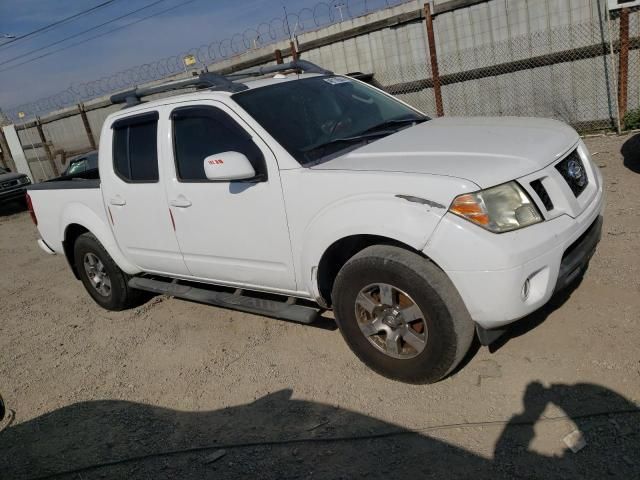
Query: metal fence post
{"points": [[87, 126], [623, 63], [45, 145], [13, 143], [611, 80], [294, 53], [6, 153], [433, 57]]}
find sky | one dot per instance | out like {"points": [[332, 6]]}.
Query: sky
{"points": [[189, 25]]}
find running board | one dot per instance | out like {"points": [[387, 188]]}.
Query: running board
{"points": [[286, 310]]}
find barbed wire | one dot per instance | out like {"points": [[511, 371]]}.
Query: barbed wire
{"points": [[279, 28]]}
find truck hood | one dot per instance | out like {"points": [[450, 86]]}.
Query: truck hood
{"points": [[485, 150], [5, 177]]}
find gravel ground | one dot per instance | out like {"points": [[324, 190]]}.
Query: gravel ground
{"points": [[179, 390]]}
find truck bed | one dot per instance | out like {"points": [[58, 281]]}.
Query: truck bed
{"points": [[87, 179], [66, 200]]}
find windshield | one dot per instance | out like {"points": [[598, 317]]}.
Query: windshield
{"points": [[77, 166], [315, 117], [3, 170]]}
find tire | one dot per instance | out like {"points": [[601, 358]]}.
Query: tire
{"points": [[435, 342], [118, 295]]}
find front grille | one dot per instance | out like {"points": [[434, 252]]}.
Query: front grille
{"points": [[542, 193], [573, 171], [9, 184]]}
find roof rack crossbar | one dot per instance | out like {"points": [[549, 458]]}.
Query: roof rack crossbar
{"points": [[303, 65], [203, 80], [214, 81]]}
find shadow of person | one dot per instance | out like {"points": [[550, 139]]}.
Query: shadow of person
{"points": [[605, 420], [631, 153], [275, 437]]}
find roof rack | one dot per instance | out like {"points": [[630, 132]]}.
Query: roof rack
{"points": [[209, 80], [302, 65], [214, 81]]}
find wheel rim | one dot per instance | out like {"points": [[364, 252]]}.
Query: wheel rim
{"points": [[97, 274], [391, 320]]}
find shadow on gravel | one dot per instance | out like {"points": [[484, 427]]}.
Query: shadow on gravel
{"points": [[631, 153], [277, 437], [11, 208]]}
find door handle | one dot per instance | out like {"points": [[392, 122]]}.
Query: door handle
{"points": [[117, 200], [180, 202]]}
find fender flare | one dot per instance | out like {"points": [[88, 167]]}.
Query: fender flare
{"points": [[79, 214], [381, 215]]}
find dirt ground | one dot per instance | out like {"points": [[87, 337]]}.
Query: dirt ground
{"points": [[180, 390]]}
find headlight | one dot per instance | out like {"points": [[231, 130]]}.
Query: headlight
{"points": [[25, 180], [498, 209]]}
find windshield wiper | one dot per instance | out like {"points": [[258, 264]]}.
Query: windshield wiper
{"points": [[354, 139], [382, 129], [395, 122]]}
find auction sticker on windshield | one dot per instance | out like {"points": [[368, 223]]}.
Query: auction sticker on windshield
{"points": [[337, 80]]}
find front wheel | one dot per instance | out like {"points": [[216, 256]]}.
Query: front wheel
{"points": [[401, 315]]}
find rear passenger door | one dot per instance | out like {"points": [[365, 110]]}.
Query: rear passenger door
{"points": [[135, 196]]}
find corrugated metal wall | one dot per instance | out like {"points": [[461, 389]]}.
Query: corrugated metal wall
{"points": [[494, 33]]}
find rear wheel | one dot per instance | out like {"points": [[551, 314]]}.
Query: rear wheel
{"points": [[401, 315], [100, 275]]}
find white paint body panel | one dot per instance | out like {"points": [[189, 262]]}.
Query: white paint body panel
{"points": [[487, 151], [271, 235], [141, 220], [233, 233]]}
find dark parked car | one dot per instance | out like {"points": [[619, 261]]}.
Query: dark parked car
{"points": [[81, 164], [12, 185]]}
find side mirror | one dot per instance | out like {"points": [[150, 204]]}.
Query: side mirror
{"points": [[228, 166]]}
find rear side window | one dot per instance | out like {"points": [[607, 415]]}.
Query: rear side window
{"points": [[135, 149], [199, 132]]}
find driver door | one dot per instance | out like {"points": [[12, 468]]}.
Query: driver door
{"points": [[229, 232]]}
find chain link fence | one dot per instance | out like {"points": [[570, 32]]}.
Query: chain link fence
{"points": [[564, 72], [495, 58]]}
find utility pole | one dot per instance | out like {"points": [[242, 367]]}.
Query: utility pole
{"points": [[339, 7]]}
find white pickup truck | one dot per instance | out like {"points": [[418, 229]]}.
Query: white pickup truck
{"points": [[297, 192]]}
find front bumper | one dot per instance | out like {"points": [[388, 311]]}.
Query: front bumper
{"points": [[13, 194], [490, 270], [576, 258]]}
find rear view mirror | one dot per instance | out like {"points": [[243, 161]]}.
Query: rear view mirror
{"points": [[228, 166]]}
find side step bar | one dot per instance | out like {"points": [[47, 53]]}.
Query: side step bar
{"points": [[286, 310]]}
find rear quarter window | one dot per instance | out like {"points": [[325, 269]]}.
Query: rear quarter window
{"points": [[135, 148]]}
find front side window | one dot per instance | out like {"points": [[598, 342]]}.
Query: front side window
{"points": [[315, 117], [199, 132], [135, 149]]}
